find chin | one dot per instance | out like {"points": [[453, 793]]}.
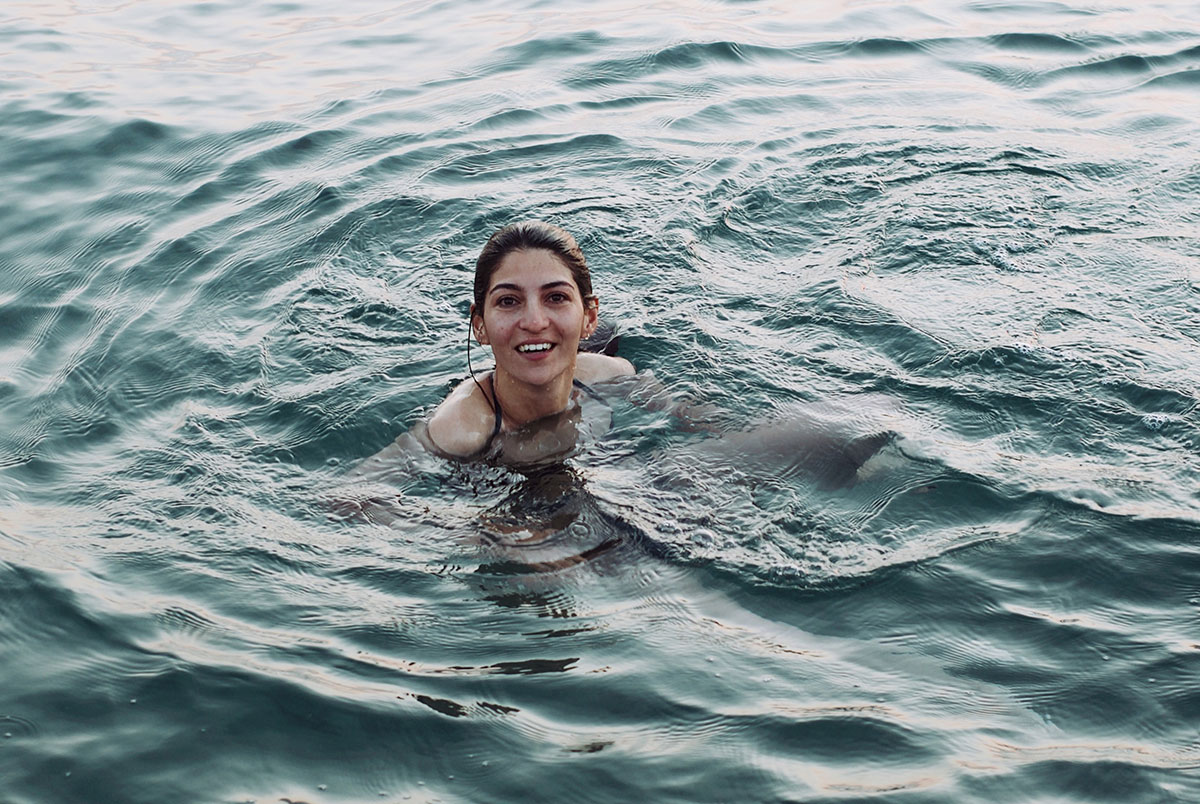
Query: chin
{"points": [[542, 373]]}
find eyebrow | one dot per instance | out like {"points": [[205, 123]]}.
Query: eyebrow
{"points": [[519, 289]]}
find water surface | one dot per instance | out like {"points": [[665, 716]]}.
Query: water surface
{"points": [[236, 256]]}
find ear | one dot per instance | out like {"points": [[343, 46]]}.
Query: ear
{"points": [[591, 316], [478, 328]]}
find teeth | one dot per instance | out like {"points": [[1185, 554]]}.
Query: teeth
{"points": [[534, 347]]}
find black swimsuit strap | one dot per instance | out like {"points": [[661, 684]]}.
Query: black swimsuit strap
{"points": [[496, 408], [586, 389]]}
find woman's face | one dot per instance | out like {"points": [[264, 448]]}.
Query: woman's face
{"points": [[534, 316]]}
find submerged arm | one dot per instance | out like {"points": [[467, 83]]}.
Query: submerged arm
{"points": [[371, 491], [648, 392]]}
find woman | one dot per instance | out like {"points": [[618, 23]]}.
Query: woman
{"points": [[533, 304]]}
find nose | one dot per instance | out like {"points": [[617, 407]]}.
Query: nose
{"points": [[535, 317]]}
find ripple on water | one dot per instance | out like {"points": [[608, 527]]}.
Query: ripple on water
{"points": [[237, 259]]}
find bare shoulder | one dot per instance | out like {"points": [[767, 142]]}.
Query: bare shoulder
{"points": [[461, 425], [591, 367]]}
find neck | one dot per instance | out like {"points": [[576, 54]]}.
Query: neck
{"points": [[523, 403]]}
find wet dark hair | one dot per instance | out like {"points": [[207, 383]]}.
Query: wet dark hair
{"points": [[526, 236]]}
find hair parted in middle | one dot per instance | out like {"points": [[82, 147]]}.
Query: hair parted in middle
{"points": [[526, 236]]}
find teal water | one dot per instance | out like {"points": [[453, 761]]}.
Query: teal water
{"points": [[235, 256]]}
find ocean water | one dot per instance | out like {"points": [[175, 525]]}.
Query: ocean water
{"points": [[236, 245]]}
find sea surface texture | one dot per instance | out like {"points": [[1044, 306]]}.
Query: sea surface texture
{"points": [[236, 248]]}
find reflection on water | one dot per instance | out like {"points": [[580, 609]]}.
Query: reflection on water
{"points": [[547, 523]]}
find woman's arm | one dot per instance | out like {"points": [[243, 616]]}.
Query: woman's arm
{"points": [[370, 492], [647, 391], [644, 390]]}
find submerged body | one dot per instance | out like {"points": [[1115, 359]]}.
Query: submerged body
{"points": [[472, 423], [533, 305]]}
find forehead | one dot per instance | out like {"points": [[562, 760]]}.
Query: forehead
{"points": [[531, 268]]}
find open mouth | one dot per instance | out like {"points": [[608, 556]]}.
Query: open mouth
{"points": [[528, 348]]}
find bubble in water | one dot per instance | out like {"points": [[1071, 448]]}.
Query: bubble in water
{"points": [[1154, 421]]}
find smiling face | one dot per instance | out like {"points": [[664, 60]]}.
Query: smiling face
{"points": [[533, 317]]}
